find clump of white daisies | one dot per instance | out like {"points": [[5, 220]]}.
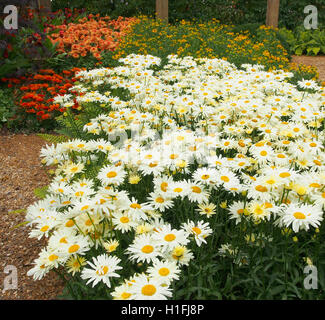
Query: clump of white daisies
{"points": [[188, 133]]}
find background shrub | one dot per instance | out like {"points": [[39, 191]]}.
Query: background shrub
{"points": [[209, 39], [6, 105], [227, 11]]}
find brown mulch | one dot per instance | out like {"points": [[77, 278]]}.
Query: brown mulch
{"points": [[318, 62], [20, 173]]}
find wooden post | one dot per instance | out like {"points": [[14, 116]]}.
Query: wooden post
{"points": [[272, 13], [162, 9]]}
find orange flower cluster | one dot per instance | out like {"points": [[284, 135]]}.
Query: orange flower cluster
{"points": [[37, 92], [93, 35]]}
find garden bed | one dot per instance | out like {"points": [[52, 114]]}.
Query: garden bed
{"points": [[230, 197]]}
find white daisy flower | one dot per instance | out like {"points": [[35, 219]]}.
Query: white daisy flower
{"points": [[103, 268]]}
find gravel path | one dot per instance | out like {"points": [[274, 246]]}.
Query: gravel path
{"points": [[20, 173]]}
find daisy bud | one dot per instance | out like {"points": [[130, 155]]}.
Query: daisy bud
{"points": [[223, 205]]}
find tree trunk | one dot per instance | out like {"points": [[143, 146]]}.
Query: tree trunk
{"points": [[272, 13], [162, 9]]}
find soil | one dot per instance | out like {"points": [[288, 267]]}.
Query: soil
{"points": [[20, 173]]}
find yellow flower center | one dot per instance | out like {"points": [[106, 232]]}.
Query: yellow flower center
{"points": [[102, 271], [74, 169], [197, 230], [261, 188], [164, 272], [314, 185], [88, 223], [148, 290], [135, 206], [153, 164], [111, 174], [63, 240], [284, 174], [196, 189], [224, 178], [317, 162], [125, 295], [53, 257], [69, 223], [160, 200], [124, 219], [170, 237], [164, 186], [299, 215], [74, 248], [147, 249], [44, 229]]}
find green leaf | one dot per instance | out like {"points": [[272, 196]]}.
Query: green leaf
{"points": [[53, 138], [17, 211], [19, 225], [315, 50], [298, 51], [277, 290], [41, 192]]}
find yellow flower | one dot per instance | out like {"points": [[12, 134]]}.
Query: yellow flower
{"points": [[134, 179]]}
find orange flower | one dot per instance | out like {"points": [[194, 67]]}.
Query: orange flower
{"points": [[89, 35]]}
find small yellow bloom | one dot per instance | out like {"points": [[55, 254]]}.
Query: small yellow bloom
{"points": [[223, 204], [134, 179]]}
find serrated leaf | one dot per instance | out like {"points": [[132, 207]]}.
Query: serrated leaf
{"points": [[53, 138]]}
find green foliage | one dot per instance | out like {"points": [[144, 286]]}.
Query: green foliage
{"points": [[41, 192], [227, 11], [25, 51], [7, 105], [250, 43], [301, 41], [71, 125], [51, 138], [18, 211], [19, 225], [310, 42]]}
